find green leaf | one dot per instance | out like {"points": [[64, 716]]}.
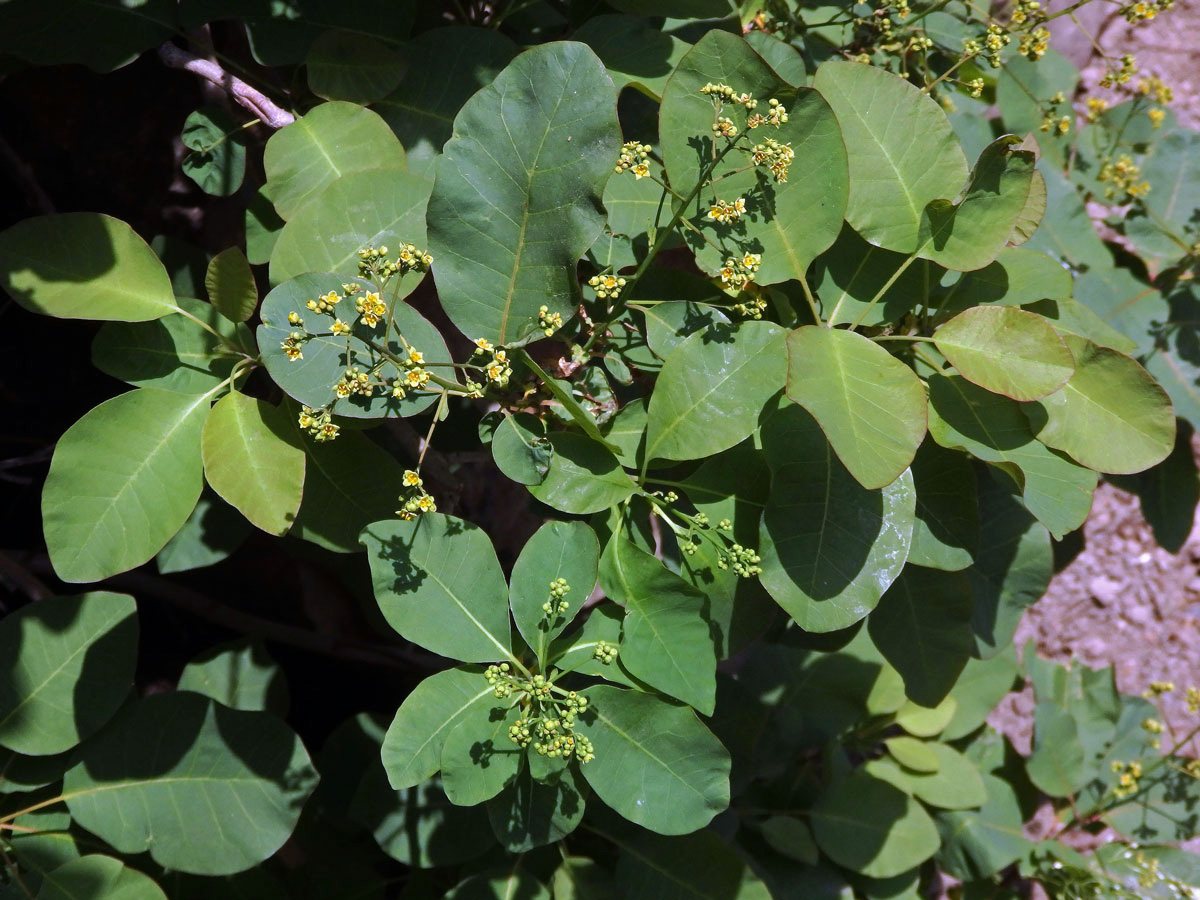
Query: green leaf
{"points": [[579, 878], [901, 149], [981, 686], [1016, 277], [583, 476], [1170, 166], [1170, 492], [46, 647], [211, 534], [254, 460], [508, 221], [217, 162], [791, 837], [420, 827], [1006, 350], [669, 323], [946, 530], [955, 784], [311, 379], [1056, 765], [712, 389], [977, 844], [666, 639], [682, 868], [332, 140], [567, 550], [500, 884], [412, 749], [206, 789], [852, 273], [338, 502], [520, 448], [1072, 317], [1012, 569], [445, 67], [20, 773], [101, 36], [122, 481], [378, 207], [913, 754], [563, 392], [869, 404], [1067, 232], [633, 51], [627, 432], [353, 67], [655, 764], [789, 223], [263, 225], [991, 427], [921, 721], [173, 353], [1112, 416], [781, 56], [970, 232], [829, 546], [529, 814], [923, 627], [96, 877], [439, 584], [1023, 91], [240, 674], [576, 650], [83, 266], [230, 284], [871, 827], [478, 756]]}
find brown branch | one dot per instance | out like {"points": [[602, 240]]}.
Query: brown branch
{"points": [[253, 100]]}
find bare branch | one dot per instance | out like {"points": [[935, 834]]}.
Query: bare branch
{"points": [[252, 99]]}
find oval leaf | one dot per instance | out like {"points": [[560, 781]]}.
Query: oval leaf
{"points": [[439, 584], [712, 389], [509, 218], [123, 480], [96, 877], [870, 405], [253, 459], [583, 477], [353, 67], [872, 828], [46, 646], [332, 140], [655, 764], [901, 149], [566, 550], [1006, 350], [829, 547], [230, 285], [206, 789], [83, 266], [1112, 416]]}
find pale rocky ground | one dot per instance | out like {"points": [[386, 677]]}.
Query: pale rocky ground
{"points": [[1123, 601]]}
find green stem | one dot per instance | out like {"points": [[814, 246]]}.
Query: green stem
{"points": [[902, 337], [228, 344], [811, 300], [883, 290]]}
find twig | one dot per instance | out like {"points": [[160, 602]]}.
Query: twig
{"points": [[253, 100]]}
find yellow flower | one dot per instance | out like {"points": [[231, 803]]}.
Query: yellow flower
{"points": [[339, 327], [411, 478]]}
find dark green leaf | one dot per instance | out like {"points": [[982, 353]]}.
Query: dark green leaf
{"points": [[478, 756], [583, 476], [567, 550], [946, 530], [353, 67], [217, 162], [96, 877], [230, 284], [633, 50], [520, 448], [241, 675], [977, 844], [529, 814]]}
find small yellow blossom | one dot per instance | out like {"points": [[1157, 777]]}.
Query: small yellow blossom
{"points": [[339, 327]]}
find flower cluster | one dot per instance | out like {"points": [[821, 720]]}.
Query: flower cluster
{"points": [[549, 721], [724, 126], [1144, 11], [550, 322], [1122, 178], [605, 653], [725, 212], [607, 285], [557, 604], [318, 423], [1027, 11], [1095, 106], [354, 381], [293, 345], [496, 368], [1051, 120], [723, 93], [371, 308], [326, 302], [993, 43], [740, 272], [1153, 85], [1122, 75], [1035, 43], [633, 159], [373, 262], [742, 560], [415, 499], [1127, 781], [752, 309], [775, 156]]}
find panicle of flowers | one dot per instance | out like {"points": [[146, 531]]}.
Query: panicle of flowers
{"points": [[605, 653], [549, 714], [371, 308], [1154, 86], [775, 156], [1027, 12], [293, 345], [1095, 106], [1145, 10], [318, 423], [989, 45], [374, 262], [549, 322], [1154, 728], [727, 212], [1127, 778], [607, 286], [634, 158], [724, 126], [1035, 43], [752, 309], [354, 381], [1122, 178], [1128, 69], [740, 272], [325, 303], [557, 604], [494, 362], [1192, 699], [1156, 115], [975, 87], [1051, 119], [415, 499], [776, 112], [723, 93]]}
